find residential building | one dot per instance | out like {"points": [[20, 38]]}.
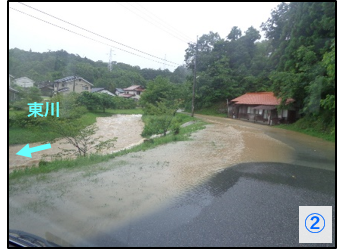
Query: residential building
{"points": [[46, 88], [102, 90], [119, 91], [12, 94], [133, 92], [72, 84], [24, 82], [10, 80], [261, 107]]}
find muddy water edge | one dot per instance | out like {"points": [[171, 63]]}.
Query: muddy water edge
{"points": [[75, 205]]}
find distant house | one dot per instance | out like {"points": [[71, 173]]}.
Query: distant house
{"points": [[126, 95], [261, 107], [24, 82], [46, 88], [133, 92], [72, 83], [10, 80], [102, 90], [12, 94], [119, 91]]}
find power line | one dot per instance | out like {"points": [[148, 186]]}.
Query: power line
{"points": [[166, 24], [91, 38], [152, 23], [98, 34], [168, 30]]}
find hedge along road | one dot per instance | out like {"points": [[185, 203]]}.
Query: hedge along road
{"points": [[110, 195]]}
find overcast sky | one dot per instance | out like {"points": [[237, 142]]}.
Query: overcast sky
{"points": [[159, 29]]}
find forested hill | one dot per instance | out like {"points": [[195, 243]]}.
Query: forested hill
{"points": [[296, 60], [49, 66]]}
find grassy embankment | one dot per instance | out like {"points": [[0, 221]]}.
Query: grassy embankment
{"points": [[46, 167], [313, 127]]}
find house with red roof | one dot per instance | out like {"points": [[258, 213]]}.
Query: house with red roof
{"points": [[261, 107], [133, 92]]}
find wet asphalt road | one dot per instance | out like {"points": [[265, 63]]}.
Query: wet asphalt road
{"points": [[246, 205]]}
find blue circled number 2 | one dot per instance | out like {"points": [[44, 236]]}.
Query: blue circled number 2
{"points": [[316, 222]]}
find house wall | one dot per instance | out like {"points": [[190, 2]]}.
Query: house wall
{"points": [[46, 91], [24, 82], [80, 86]]}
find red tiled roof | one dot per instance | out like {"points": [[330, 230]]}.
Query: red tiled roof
{"points": [[259, 98]]}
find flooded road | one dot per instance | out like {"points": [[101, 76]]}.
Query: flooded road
{"points": [[85, 204], [247, 205]]}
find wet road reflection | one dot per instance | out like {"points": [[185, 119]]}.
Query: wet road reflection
{"points": [[247, 205]]}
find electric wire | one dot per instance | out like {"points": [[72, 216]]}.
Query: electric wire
{"points": [[99, 35], [93, 39], [164, 23], [151, 16]]}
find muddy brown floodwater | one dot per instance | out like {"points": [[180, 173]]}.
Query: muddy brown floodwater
{"points": [[126, 128], [76, 205]]}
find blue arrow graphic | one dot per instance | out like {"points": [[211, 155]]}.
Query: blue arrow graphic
{"points": [[26, 151]]}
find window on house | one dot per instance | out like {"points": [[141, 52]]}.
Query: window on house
{"points": [[250, 110], [84, 87], [285, 113]]}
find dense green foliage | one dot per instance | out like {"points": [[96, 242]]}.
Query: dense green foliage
{"points": [[302, 43], [296, 60], [49, 66], [160, 103]]}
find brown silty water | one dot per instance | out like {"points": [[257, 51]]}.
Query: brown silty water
{"points": [[77, 204], [126, 128]]}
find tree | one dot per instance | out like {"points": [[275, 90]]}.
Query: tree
{"points": [[234, 34], [104, 101], [158, 90], [160, 117], [94, 101], [160, 101], [301, 35], [80, 137], [27, 95]]}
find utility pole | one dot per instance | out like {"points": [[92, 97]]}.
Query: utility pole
{"points": [[109, 64], [165, 58], [74, 84], [194, 84]]}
